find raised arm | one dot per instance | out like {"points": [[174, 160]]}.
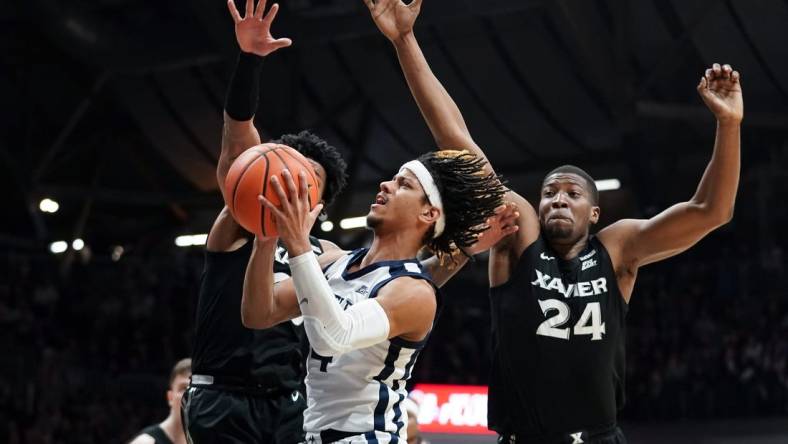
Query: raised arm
{"points": [[253, 33], [395, 20], [639, 242]]}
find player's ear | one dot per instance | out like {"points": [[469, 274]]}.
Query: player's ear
{"points": [[170, 397], [430, 214], [595, 211]]}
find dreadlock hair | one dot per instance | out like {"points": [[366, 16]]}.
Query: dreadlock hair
{"points": [[326, 155], [571, 169], [469, 196]]}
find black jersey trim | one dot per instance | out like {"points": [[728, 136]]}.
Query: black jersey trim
{"points": [[601, 246]]}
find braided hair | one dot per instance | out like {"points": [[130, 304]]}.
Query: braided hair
{"points": [[469, 196]]}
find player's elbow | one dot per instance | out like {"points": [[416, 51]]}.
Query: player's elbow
{"points": [[726, 217], [452, 136], [324, 341], [255, 320], [713, 215], [720, 216]]}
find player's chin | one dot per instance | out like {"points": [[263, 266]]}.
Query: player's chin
{"points": [[557, 231], [373, 220]]}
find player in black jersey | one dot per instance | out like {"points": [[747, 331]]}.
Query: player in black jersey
{"points": [[559, 295], [247, 385], [170, 431]]}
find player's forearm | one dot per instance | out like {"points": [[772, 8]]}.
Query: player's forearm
{"points": [[716, 193], [439, 110], [258, 305]]}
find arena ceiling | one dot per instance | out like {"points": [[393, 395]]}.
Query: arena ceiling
{"points": [[113, 107]]}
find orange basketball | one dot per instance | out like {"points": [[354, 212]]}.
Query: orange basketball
{"points": [[249, 177]]}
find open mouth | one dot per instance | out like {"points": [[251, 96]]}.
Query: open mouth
{"points": [[380, 200]]}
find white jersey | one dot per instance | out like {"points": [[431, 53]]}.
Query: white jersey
{"points": [[362, 390]]}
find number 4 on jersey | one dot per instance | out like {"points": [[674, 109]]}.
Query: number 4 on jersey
{"points": [[592, 315]]}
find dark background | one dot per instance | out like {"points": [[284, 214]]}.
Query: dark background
{"points": [[113, 108]]}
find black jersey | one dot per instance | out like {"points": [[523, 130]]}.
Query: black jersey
{"points": [[558, 344], [157, 433], [223, 347]]}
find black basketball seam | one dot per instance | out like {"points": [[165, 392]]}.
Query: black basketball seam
{"points": [[241, 176], [265, 186]]}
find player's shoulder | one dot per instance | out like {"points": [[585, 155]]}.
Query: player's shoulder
{"points": [[617, 236], [143, 438], [409, 287]]}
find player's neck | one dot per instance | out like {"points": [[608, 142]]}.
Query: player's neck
{"points": [[173, 428], [569, 250], [391, 247]]}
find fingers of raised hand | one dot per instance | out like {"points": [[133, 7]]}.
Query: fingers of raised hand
{"points": [[726, 71], [233, 11], [258, 13], [281, 43], [272, 13], [249, 8]]}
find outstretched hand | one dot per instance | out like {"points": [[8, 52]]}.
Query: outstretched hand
{"points": [[253, 31], [394, 18], [503, 224], [294, 219], [720, 89]]}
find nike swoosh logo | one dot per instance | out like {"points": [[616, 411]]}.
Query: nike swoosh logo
{"points": [[546, 257], [303, 301]]}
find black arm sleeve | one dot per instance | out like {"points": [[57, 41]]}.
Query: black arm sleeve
{"points": [[243, 93]]}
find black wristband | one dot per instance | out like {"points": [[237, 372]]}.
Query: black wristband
{"points": [[243, 93]]}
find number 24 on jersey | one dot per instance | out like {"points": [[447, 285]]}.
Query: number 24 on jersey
{"points": [[590, 322]]}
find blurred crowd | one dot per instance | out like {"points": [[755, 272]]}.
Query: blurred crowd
{"points": [[86, 356]]}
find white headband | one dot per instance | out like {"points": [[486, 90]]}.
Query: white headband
{"points": [[430, 189]]}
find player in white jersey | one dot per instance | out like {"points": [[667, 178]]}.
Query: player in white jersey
{"points": [[349, 389], [371, 311]]}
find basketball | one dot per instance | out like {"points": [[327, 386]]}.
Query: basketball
{"points": [[249, 177]]}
